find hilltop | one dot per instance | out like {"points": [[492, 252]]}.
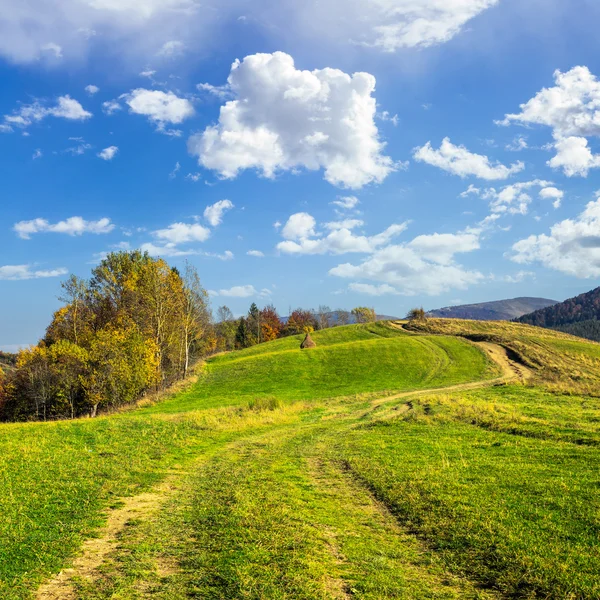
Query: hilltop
{"points": [[497, 310], [579, 316]]}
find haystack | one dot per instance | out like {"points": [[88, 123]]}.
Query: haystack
{"points": [[308, 342]]}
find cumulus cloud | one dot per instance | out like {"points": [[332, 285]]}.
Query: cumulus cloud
{"points": [[256, 253], [214, 213], [92, 89], [574, 157], [571, 247], [571, 108], [160, 107], [426, 265], [71, 226], [513, 199], [459, 161], [183, 233], [518, 144], [283, 119], [301, 237], [298, 226], [108, 153], [22, 272], [65, 108], [552, 193]]}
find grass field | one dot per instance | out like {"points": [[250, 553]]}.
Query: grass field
{"points": [[303, 474]]}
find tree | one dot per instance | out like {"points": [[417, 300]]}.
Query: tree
{"points": [[241, 335], [300, 321], [68, 364], [224, 314], [195, 314], [253, 325], [324, 317], [343, 316], [270, 324], [416, 314], [363, 314]]}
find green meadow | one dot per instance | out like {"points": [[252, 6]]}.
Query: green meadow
{"points": [[357, 469]]}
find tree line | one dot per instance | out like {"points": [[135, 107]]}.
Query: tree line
{"points": [[135, 325]]}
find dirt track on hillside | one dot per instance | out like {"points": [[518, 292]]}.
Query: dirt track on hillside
{"points": [[96, 550]]}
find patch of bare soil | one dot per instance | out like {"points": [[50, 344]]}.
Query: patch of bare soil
{"points": [[96, 550]]}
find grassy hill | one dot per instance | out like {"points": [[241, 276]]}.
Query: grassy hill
{"points": [[579, 316], [498, 310], [385, 463]]}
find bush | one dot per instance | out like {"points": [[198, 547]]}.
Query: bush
{"points": [[416, 314]]}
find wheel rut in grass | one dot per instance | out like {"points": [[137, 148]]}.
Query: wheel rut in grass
{"points": [[95, 550]]}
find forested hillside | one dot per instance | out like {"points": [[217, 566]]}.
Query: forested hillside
{"points": [[578, 316]]}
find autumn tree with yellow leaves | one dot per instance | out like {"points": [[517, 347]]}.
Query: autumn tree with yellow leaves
{"points": [[137, 324]]}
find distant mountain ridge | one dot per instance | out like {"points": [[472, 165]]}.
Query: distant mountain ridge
{"points": [[497, 310], [579, 316]]}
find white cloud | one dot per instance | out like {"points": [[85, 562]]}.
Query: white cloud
{"points": [[373, 290], [183, 233], [175, 170], [214, 213], [237, 291], [574, 157], [518, 144], [81, 148], [92, 89], [346, 202], [409, 24], [223, 92], [572, 247], [108, 153], [283, 119], [426, 265], [459, 161], [22, 272], [111, 106], [70, 226], [344, 224], [37, 154], [133, 29], [301, 237], [552, 193], [511, 199], [256, 253], [298, 226], [572, 110], [160, 107], [166, 250], [171, 48], [53, 48], [65, 108]]}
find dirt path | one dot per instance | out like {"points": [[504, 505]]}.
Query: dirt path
{"points": [[96, 550], [511, 371]]}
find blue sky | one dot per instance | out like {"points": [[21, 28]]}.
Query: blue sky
{"points": [[386, 152]]}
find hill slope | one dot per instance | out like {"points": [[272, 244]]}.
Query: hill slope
{"points": [[498, 310], [288, 473], [579, 316]]}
